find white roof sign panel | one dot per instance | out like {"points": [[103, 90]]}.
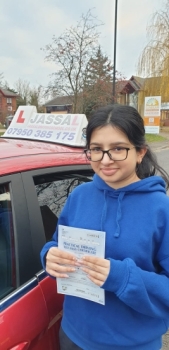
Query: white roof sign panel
{"points": [[68, 129]]}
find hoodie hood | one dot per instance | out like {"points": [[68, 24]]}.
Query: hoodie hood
{"points": [[150, 184]]}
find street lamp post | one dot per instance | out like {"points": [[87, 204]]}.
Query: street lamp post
{"points": [[115, 36]]}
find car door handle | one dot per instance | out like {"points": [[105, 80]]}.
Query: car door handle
{"points": [[21, 346]]}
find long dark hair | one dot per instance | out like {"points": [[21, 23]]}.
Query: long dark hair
{"points": [[128, 120]]}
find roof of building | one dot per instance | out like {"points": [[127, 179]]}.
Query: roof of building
{"points": [[8, 93], [128, 86], [120, 85], [139, 80], [60, 101]]}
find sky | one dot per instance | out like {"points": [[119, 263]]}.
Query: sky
{"points": [[28, 26]]}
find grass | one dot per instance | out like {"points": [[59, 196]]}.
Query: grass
{"points": [[2, 127], [154, 138]]}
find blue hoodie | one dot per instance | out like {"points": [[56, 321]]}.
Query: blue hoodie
{"points": [[136, 221]]}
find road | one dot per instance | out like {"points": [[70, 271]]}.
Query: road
{"points": [[163, 159]]}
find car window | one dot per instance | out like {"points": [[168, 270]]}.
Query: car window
{"points": [[52, 192], [7, 252]]}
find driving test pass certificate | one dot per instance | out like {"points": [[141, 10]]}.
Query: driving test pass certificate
{"points": [[81, 242]]}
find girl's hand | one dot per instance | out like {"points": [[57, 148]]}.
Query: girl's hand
{"points": [[58, 262], [97, 269]]}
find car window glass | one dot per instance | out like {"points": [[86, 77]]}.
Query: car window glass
{"points": [[52, 192], [7, 253]]}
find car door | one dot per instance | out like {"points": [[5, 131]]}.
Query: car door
{"points": [[24, 317], [46, 192], [30, 308]]}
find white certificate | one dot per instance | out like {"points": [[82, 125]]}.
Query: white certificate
{"points": [[81, 242]]}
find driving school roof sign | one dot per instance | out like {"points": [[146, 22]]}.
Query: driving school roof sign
{"points": [[66, 129]]}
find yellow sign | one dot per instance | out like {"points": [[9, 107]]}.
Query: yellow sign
{"points": [[152, 112]]}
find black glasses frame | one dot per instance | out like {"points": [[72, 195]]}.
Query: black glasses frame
{"points": [[109, 155]]}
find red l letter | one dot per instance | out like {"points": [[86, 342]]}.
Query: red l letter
{"points": [[74, 120], [20, 119]]}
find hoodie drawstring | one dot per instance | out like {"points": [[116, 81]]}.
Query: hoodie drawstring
{"points": [[119, 214], [104, 212]]}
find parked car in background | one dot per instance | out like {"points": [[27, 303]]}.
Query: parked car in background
{"points": [[36, 178], [8, 121]]}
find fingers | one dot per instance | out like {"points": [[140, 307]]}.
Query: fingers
{"points": [[58, 263], [57, 270], [97, 278], [56, 255], [94, 262], [97, 269]]}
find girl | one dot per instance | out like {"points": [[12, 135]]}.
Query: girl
{"points": [[129, 202]]}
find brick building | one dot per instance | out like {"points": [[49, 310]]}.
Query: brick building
{"points": [[8, 104]]}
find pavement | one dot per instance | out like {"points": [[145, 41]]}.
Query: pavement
{"points": [[160, 145]]}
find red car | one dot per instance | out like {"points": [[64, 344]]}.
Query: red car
{"points": [[35, 180]]}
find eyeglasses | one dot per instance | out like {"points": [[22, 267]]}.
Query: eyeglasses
{"points": [[96, 154]]}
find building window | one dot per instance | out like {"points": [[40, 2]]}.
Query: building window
{"points": [[61, 108], [9, 100]]}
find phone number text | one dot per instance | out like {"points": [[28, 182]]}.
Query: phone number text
{"points": [[42, 134]]}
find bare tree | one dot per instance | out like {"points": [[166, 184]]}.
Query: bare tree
{"points": [[155, 56], [23, 89], [3, 83], [29, 95], [36, 97], [154, 59], [1, 79], [71, 52]]}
